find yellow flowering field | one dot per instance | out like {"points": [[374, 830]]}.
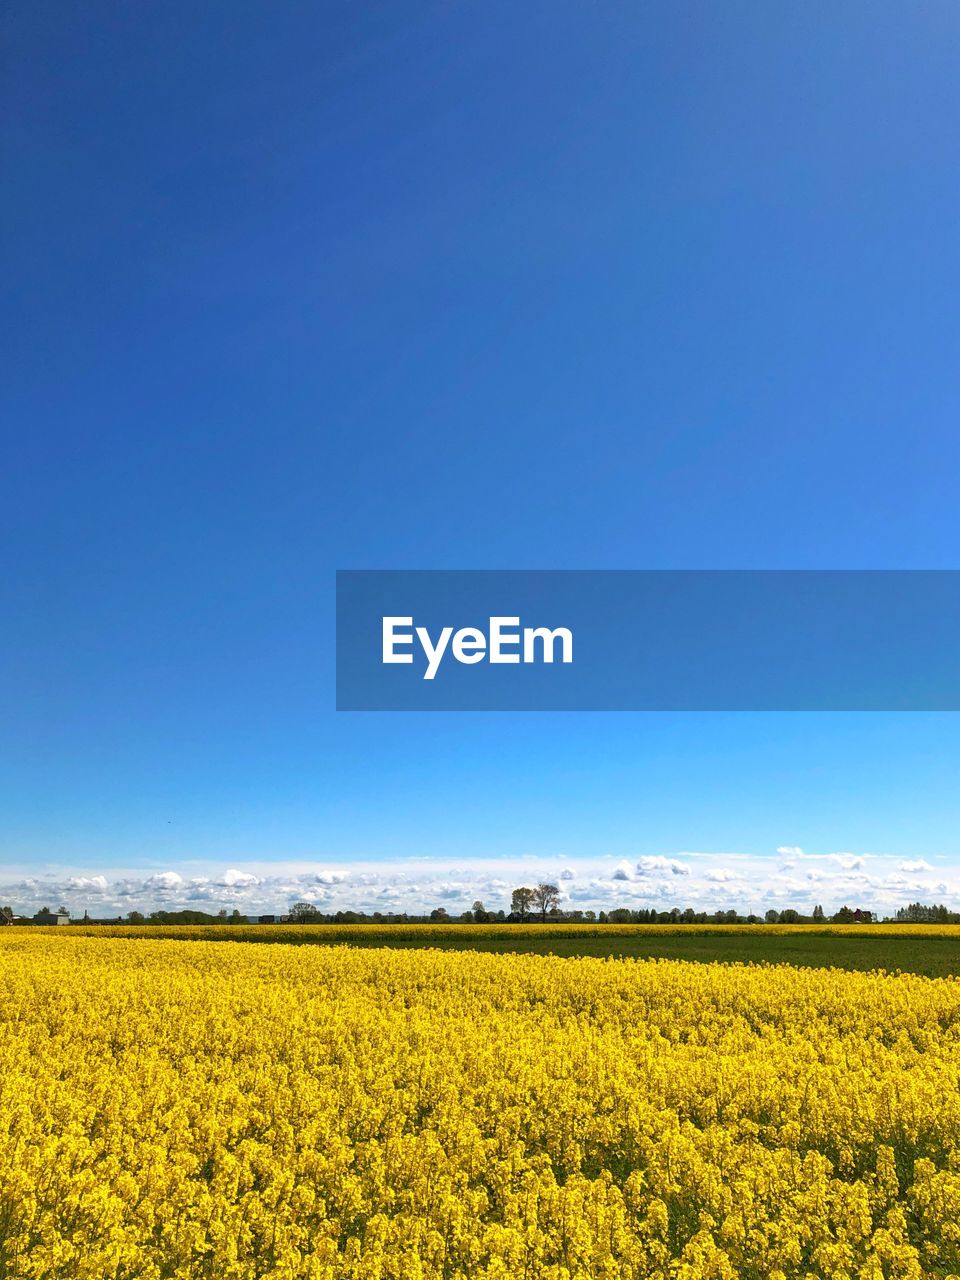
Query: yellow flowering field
{"points": [[170, 1111]]}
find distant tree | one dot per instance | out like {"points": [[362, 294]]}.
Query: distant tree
{"points": [[843, 916], [136, 917], [237, 918], [182, 917], [602, 918], [467, 917], [439, 914], [521, 902], [304, 913], [480, 912], [546, 898], [772, 916], [818, 914], [789, 916], [918, 913], [619, 915], [590, 916]]}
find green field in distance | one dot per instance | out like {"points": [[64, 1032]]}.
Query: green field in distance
{"points": [[932, 950]]}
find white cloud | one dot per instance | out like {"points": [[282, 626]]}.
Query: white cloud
{"points": [[88, 884], [658, 866], [165, 880], [849, 861], [239, 879], [702, 880], [327, 878]]}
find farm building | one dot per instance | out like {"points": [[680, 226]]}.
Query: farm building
{"points": [[46, 916], [8, 916]]}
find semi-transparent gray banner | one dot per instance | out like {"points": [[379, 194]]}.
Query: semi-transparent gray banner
{"points": [[648, 640]]}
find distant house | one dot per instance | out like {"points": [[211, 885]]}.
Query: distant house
{"points": [[267, 920], [46, 916]]}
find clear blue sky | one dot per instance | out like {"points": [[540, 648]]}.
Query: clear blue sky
{"points": [[295, 287]]}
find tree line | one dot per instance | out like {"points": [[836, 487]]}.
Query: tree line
{"points": [[539, 903], [917, 913]]}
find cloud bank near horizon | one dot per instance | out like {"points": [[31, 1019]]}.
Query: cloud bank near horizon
{"points": [[791, 877]]}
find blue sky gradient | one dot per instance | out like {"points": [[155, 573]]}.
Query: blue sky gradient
{"points": [[293, 288]]}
